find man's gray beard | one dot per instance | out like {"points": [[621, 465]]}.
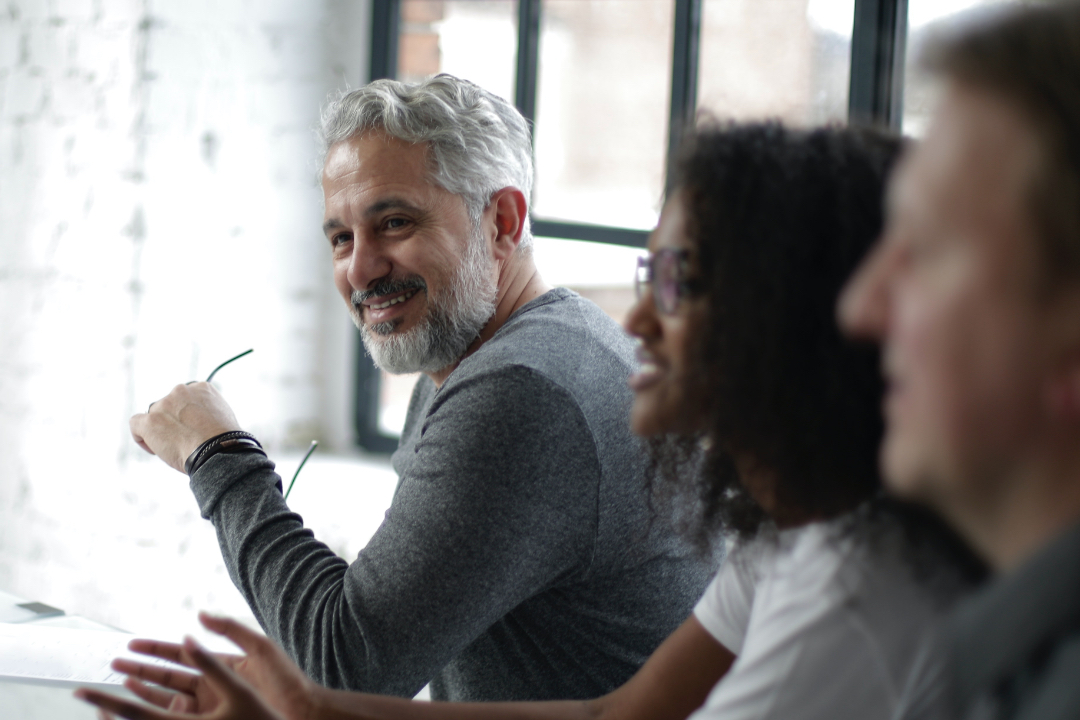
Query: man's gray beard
{"points": [[453, 321]]}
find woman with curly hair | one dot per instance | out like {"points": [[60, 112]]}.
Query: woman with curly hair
{"points": [[765, 425]]}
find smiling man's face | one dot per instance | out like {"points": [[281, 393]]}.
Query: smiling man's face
{"points": [[419, 280], [951, 292]]}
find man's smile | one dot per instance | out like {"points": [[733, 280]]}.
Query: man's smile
{"points": [[387, 308], [381, 303]]}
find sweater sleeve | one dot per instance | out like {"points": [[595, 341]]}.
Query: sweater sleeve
{"points": [[499, 503]]}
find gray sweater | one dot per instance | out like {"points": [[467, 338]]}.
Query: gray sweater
{"points": [[517, 560]]}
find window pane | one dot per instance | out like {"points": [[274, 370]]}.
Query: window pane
{"points": [[394, 394], [786, 59], [924, 18], [473, 39], [602, 110], [603, 273]]}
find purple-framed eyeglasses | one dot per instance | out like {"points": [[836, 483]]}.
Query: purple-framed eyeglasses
{"points": [[665, 272]]}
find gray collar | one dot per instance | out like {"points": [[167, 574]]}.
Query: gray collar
{"points": [[999, 632]]}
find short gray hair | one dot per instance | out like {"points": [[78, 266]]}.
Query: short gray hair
{"points": [[478, 143]]}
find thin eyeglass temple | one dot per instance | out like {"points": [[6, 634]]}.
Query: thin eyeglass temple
{"points": [[237, 357], [314, 444]]}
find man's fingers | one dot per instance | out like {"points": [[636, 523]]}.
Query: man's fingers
{"points": [[137, 425], [165, 677], [245, 638], [123, 708]]}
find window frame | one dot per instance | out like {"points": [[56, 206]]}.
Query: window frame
{"points": [[875, 97]]}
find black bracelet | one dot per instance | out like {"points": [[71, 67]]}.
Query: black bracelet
{"points": [[235, 441]]}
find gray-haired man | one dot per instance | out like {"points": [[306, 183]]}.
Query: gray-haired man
{"points": [[517, 560]]}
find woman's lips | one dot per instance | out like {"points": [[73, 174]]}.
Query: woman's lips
{"points": [[647, 374]]}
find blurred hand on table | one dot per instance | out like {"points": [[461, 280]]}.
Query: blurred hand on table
{"points": [[263, 684]]}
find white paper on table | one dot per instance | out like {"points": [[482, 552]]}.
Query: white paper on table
{"points": [[51, 655]]}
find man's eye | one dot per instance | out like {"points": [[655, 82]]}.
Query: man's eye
{"points": [[396, 223], [340, 239]]}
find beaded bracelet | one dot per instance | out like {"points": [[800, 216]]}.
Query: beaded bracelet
{"points": [[235, 441]]}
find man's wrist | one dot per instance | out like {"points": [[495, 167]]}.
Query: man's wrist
{"points": [[234, 441]]}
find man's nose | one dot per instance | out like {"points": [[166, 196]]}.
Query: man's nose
{"points": [[367, 263], [863, 307]]}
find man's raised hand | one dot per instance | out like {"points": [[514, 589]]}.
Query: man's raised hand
{"points": [[174, 426]]}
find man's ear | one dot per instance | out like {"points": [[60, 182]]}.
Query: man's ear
{"points": [[508, 214]]}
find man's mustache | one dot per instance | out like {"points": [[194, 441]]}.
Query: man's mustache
{"points": [[388, 287]]}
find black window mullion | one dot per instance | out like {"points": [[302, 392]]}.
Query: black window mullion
{"points": [[528, 59], [684, 71], [592, 233], [878, 44], [385, 26]]}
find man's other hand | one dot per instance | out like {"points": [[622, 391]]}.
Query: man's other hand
{"points": [[174, 426]]}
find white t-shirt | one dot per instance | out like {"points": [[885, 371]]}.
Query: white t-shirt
{"points": [[822, 628]]}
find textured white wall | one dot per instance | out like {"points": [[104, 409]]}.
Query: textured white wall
{"points": [[159, 212]]}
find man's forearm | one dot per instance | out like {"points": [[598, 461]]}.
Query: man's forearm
{"points": [[294, 584], [414, 598], [467, 540]]}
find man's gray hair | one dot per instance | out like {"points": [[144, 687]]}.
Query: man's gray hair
{"points": [[478, 143]]}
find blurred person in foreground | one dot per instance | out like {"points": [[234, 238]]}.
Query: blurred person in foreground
{"points": [[828, 606], [974, 293], [516, 560]]}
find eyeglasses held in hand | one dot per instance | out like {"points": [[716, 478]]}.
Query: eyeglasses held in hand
{"points": [[311, 449], [665, 273], [235, 357], [314, 443]]}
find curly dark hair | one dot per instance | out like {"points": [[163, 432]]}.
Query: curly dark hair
{"points": [[778, 218]]}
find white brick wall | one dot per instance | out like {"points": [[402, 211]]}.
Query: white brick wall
{"points": [[158, 213]]}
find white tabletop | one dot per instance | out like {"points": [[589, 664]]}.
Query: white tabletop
{"points": [[44, 656]]}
